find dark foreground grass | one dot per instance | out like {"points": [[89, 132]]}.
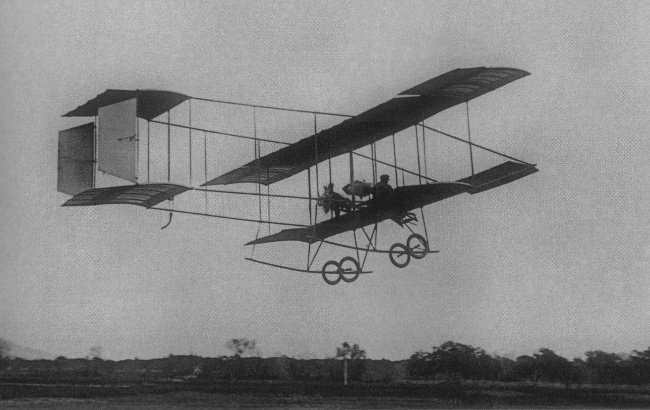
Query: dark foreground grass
{"points": [[313, 395]]}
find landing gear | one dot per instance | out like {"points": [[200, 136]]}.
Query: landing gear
{"points": [[347, 269], [399, 255], [416, 247], [331, 273]]}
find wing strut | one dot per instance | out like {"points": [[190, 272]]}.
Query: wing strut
{"points": [[469, 138]]}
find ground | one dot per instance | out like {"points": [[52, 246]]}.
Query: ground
{"points": [[316, 395]]}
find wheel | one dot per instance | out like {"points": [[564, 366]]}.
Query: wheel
{"points": [[332, 273], [417, 246], [399, 255], [349, 269]]}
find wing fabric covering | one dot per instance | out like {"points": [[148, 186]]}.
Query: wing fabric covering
{"points": [[146, 195], [76, 159], [418, 104], [405, 199]]}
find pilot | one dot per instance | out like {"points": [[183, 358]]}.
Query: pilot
{"points": [[383, 190]]}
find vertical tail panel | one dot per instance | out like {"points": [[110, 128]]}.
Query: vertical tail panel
{"points": [[76, 159], [117, 140]]}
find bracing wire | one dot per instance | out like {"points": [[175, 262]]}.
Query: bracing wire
{"points": [[227, 134], [268, 107]]}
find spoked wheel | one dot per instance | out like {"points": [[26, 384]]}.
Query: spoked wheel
{"points": [[417, 246], [349, 269], [332, 273], [399, 255]]}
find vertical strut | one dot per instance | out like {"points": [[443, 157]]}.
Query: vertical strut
{"points": [[268, 199], [169, 147], [352, 174], [317, 181], [95, 151], [309, 193], [417, 148], [355, 243], [256, 148], [310, 215], [149, 152], [189, 104], [424, 223], [395, 158], [424, 151], [372, 162], [469, 138], [137, 150], [205, 165]]}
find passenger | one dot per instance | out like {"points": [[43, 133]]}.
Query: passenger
{"points": [[383, 190]]}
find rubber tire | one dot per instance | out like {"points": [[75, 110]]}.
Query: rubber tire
{"points": [[356, 264], [325, 273], [394, 251], [420, 238]]}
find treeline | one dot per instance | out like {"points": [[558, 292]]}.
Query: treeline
{"points": [[195, 368], [449, 362], [455, 360]]}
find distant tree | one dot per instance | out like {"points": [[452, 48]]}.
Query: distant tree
{"points": [[354, 353], [95, 353], [243, 347], [640, 367], [552, 367], [421, 365], [605, 368], [4, 354], [454, 360], [526, 369]]}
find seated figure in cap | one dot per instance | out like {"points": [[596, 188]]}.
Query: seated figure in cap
{"points": [[383, 190]]}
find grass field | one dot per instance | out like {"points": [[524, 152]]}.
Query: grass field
{"points": [[314, 395]]}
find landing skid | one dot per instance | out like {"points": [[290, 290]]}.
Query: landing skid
{"points": [[333, 272], [294, 269]]}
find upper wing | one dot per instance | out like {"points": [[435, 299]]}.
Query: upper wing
{"points": [[419, 103], [151, 103]]}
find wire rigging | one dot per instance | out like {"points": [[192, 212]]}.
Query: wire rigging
{"points": [[269, 107]]}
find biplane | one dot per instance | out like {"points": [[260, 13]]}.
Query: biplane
{"points": [[113, 144]]}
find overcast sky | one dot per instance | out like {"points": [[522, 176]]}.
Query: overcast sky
{"points": [[559, 259]]}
